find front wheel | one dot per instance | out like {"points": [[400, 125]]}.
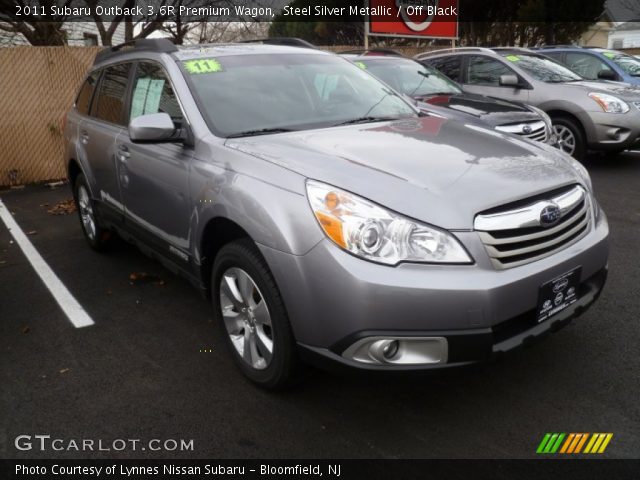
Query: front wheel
{"points": [[570, 137], [247, 303], [97, 237]]}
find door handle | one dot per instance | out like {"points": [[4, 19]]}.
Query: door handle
{"points": [[123, 153]]}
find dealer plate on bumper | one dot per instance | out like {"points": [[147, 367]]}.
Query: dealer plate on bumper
{"points": [[558, 294]]}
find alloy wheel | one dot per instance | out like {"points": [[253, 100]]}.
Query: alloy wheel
{"points": [[246, 318], [566, 139], [86, 213]]}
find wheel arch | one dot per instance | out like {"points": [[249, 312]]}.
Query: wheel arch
{"points": [[217, 232]]}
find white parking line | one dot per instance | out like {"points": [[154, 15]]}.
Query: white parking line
{"points": [[72, 309]]}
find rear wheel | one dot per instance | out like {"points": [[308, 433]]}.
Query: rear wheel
{"points": [[97, 237], [247, 303], [570, 137]]}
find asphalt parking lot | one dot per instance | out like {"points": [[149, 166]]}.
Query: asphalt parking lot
{"points": [[142, 372]]}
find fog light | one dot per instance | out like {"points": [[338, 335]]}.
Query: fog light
{"points": [[399, 350], [390, 350]]}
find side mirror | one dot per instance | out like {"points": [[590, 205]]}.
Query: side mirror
{"points": [[606, 75], [509, 81], [153, 128]]}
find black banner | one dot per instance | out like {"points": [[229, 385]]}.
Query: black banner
{"points": [[580, 469], [543, 11]]}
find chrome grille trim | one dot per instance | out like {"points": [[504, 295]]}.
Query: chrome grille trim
{"points": [[529, 216], [516, 237], [538, 132]]}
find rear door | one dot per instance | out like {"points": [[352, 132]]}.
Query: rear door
{"points": [[78, 123], [155, 176], [98, 134], [481, 75]]}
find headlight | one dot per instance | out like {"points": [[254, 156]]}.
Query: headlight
{"points": [[586, 178], [377, 234], [582, 172], [609, 103]]}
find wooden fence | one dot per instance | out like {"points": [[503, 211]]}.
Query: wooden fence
{"points": [[37, 86]]}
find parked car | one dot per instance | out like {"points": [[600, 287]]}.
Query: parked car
{"points": [[597, 63], [327, 218], [432, 89], [585, 114]]}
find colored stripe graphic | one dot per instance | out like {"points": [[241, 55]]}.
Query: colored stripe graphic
{"points": [[572, 443]]}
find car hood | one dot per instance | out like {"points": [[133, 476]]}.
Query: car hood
{"points": [[620, 89], [491, 111], [432, 169]]}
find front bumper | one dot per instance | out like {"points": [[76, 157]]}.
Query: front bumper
{"points": [[334, 299], [608, 131]]}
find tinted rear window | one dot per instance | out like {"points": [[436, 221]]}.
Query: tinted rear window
{"points": [[450, 66], [111, 98], [83, 102]]}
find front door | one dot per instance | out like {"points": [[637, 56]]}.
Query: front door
{"points": [[482, 76], [154, 177]]}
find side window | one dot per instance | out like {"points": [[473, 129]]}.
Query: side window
{"points": [[152, 93], [83, 102], [109, 105], [557, 56], [486, 71], [450, 66], [586, 65]]}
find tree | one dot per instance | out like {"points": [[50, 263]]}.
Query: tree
{"points": [[323, 31], [145, 25], [526, 22], [31, 26]]}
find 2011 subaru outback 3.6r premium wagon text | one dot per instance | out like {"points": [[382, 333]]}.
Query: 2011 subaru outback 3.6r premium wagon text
{"points": [[329, 220]]}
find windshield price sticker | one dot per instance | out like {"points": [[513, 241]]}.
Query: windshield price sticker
{"points": [[206, 65], [513, 58]]}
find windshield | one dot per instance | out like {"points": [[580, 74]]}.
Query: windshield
{"points": [[255, 94], [409, 77], [544, 69], [629, 64]]}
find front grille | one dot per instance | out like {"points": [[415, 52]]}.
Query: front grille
{"points": [[537, 131], [517, 236]]}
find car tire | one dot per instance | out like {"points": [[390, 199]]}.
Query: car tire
{"points": [[570, 137], [249, 307], [97, 237]]}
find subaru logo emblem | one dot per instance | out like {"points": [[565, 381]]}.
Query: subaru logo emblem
{"points": [[527, 130], [550, 215]]}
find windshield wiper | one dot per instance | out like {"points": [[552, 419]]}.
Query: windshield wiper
{"points": [[261, 131], [367, 119]]}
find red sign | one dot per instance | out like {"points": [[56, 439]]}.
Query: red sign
{"points": [[414, 18]]}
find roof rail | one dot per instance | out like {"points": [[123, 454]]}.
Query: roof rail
{"points": [[287, 41], [452, 50], [160, 45], [544, 47], [372, 51]]}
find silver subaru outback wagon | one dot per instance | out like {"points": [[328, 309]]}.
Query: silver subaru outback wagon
{"points": [[330, 221]]}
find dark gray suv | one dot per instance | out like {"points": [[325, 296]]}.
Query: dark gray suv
{"points": [[329, 220]]}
